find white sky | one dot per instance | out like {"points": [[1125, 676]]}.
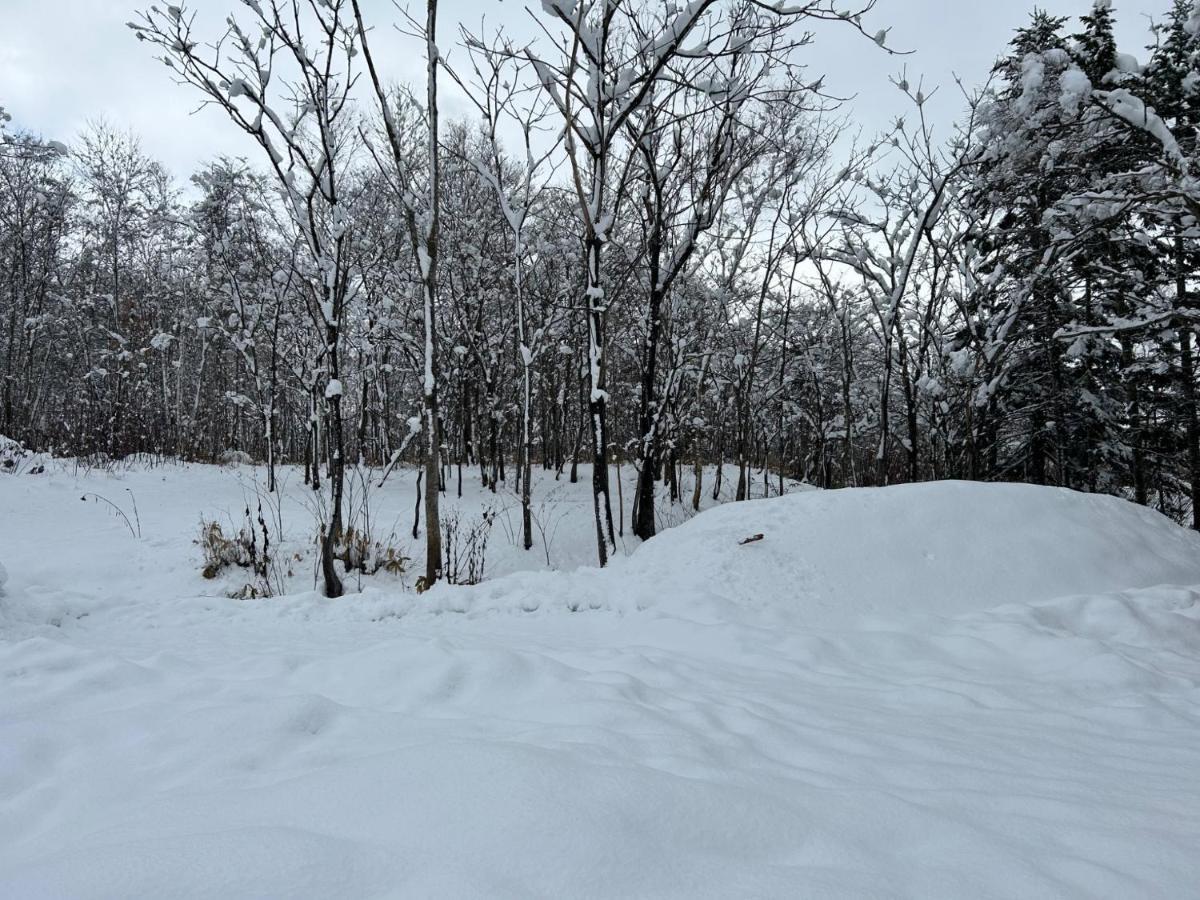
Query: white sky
{"points": [[63, 62]]}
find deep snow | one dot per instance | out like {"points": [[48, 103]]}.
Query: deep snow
{"points": [[931, 691]]}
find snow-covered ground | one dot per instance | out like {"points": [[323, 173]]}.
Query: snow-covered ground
{"points": [[935, 691]]}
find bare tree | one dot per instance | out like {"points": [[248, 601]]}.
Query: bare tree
{"points": [[307, 150]]}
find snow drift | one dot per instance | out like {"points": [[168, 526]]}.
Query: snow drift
{"points": [[945, 548]]}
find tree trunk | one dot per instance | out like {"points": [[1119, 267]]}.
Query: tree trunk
{"points": [[433, 522], [644, 524], [1187, 374], [598, 404]]}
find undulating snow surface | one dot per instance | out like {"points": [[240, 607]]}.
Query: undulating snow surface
{"points": [[938, 691]]}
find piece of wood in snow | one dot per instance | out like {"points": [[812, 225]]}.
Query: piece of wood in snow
{"points": [[753, 539]]}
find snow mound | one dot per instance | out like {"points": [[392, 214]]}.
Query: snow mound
{"points": [[828, 558]]}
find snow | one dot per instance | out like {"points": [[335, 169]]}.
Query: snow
{"points": [[933, 691], [1134, 111], [1075, 89], [1033, 76], [944, 548]]}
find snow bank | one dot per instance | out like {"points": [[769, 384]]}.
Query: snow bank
{"points": [[830, 557]]}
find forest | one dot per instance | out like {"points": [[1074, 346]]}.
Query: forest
{"points": [[657, 242]]}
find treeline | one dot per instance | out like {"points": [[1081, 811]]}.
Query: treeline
{"points": [[652, 244]]}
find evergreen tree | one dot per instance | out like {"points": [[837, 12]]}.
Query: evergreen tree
{"points": [[1095, 48], [1172, 83], [1026, 169]]}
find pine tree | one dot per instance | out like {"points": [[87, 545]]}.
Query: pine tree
{"points": [[1172, 83], [1110, 271], [1024, 175], [1095, 48]]}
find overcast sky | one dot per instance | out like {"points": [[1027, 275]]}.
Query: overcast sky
{"points": [[63, 62]]}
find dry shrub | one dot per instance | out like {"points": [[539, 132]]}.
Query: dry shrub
{"points": [[360, 552], [465, 548], [249, 549]]}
